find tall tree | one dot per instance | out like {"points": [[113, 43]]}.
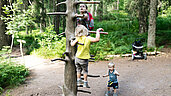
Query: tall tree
{"points": [[143, 12], [3, 37], [140, 9], [57, 17], [117, 4], [42, 16], [100, 10], [70, 86], [152, 24]]}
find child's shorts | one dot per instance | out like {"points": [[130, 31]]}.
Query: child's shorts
{"points": [[81, 65], [112, 84]]}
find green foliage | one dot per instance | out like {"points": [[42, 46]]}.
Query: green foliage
{"points": [[51, 45], [122, 33], [10, 73], [163, 37], [31, 40], [46, 44], [17, 19], [116, 42], [164, 23]]}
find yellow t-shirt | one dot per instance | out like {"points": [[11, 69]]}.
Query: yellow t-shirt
{"points": [[83, 51]]}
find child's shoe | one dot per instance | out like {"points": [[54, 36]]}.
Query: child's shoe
{"points": [[114, 94], [79, 82], [108, 93], [86, 84]]}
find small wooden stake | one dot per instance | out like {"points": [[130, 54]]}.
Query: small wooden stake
{"points": [[21, 50]]}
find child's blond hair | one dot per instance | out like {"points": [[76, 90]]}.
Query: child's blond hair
{"points": [[111, 64], [81, 30]]}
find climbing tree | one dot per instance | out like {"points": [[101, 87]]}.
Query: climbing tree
{"points": [[70, 86]]}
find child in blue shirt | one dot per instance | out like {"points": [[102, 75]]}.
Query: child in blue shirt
{"points": [[113, 82]]}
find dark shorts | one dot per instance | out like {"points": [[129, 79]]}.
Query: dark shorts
{"points": [[81, 65], [112, 84]]}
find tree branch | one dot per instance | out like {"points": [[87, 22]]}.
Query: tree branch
{"points": [[60, 3], [57, 13], [59, 59], [87, 2], [100, 32]]}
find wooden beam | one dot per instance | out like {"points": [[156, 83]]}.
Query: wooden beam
{"points": [[61, 3], [87, 2], [79, 15], [59, 59], [57, 13], [100, 32]]}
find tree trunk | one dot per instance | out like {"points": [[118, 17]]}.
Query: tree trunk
{"points": [[143, 15], [92, 9], [43, 16], [64, 24], [100, 10], [57, 17], [4, 39], [117, 5], [70, 86], [152, 24]]}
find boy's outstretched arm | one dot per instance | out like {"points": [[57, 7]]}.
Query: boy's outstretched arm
{"points": [[105, 75], [97, 35]]}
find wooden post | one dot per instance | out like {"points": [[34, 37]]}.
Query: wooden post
{"points": [[21, 49]]}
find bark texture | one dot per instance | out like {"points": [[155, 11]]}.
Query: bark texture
{"points": [[4, 39], [143, 15], [152, 24], [70, 86]]}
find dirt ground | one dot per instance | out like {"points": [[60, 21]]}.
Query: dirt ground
{"points": [[151, 77]]}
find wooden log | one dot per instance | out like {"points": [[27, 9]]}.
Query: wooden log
{"points": [[87, 2], [129, 55], [100, 32], [57, 13]]}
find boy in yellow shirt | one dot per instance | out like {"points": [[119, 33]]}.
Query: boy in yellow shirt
{"points": [[83, 51]]}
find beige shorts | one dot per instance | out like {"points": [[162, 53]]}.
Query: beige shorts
{"points": [[81, 65]]}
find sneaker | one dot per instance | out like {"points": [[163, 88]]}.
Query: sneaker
{"points": [[108, 93], [114, 94], [79, 82], [86, 85]]}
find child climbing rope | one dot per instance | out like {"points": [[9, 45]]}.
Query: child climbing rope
{"points": [[113, 82], [83, 49], [87, 19]]}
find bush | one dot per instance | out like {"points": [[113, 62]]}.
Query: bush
{"points": [[11, 74], [51, 45], [56, 49], [163, 37], [163, 23]]}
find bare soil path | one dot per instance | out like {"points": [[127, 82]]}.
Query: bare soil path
{"points": [[151, 77]]}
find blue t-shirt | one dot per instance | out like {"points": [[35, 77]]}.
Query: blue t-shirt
{"points": [[113, 77]]}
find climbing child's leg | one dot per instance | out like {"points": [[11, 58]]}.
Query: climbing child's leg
{"points": [[78, 75], [85, 71], [85, 77]]}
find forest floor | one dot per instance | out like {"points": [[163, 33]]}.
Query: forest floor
{"points": [[151, 77]]}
